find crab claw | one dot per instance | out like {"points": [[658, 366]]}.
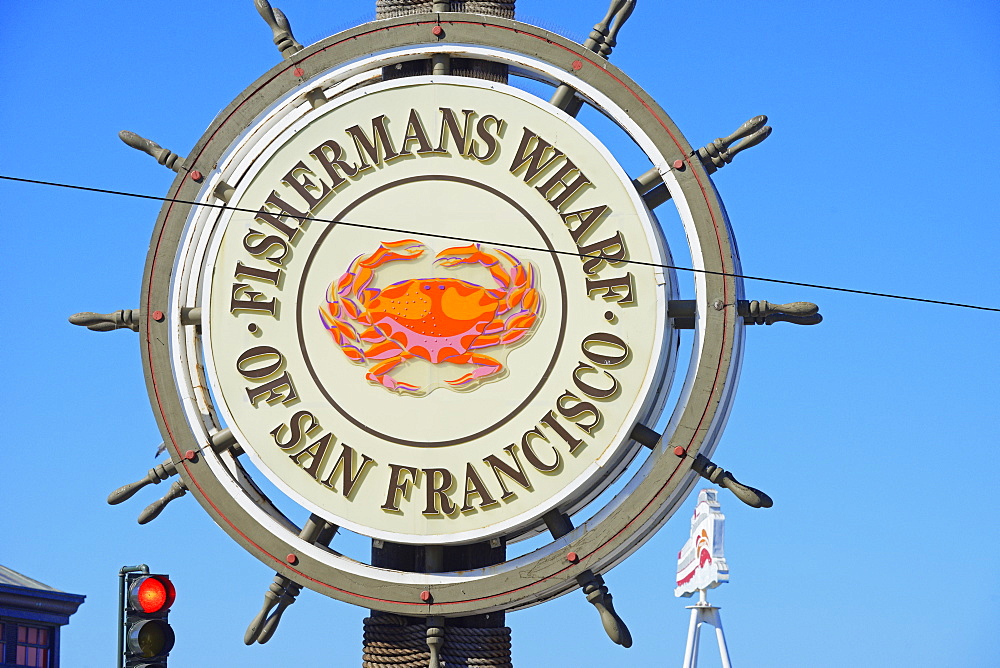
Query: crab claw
{"points": [[470, 254], [392, 356], [485, 366], [405, 249]]}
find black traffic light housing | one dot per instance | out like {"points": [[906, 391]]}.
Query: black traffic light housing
{"points": [[147, 633]]}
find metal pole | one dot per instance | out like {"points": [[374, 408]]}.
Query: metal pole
{"points": [[704, 612], [141, 568]]}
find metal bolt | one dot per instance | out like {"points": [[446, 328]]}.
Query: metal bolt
{"points": [[572, 557], [577, 65], [437, 31], [679, 451], [298, 71], [190, 455], [292, 558], [679, 164], [196, 175], [426, 597], [158, 316]]}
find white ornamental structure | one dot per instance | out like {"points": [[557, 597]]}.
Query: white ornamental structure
{"points": [[701, 565]]}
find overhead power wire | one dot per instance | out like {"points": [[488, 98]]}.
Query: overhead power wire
{"points": [[451, 237]]}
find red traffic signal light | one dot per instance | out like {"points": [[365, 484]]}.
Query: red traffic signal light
{"points": [[148, 637], [151, 594]]}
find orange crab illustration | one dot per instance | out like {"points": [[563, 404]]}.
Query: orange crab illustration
{"points": [[437, 319]]}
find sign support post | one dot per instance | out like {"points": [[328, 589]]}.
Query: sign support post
{"points": [[481, 635], [704, 613]]}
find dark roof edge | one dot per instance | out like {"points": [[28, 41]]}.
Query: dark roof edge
{"points": [[58, 604]]}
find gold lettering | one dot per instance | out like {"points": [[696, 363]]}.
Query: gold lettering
{"points": [[533, 160], [474, 486], [437, 491], [568, 190], [572, 441], [295, 430], [460, 136], [580, 408], [316, 454], [335, 167], [284, 209], [533, 458], [374, 147], [346, 463], [415, 133], [516, 474], [587, 218], [611, 287], [612, 249], [305, 187], [399, 487]]}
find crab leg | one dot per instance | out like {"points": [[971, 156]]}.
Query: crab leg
{"points": [[355, 282], [500, 332], [380, 374], [347, 296], [343, 334], [452, 257], [518, 283], [405, 249], [485, 366], [393, 355]]}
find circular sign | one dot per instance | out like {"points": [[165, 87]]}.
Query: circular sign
{"points": [[433, 310], [444, 319]]}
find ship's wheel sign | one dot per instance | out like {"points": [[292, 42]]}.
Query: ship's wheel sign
{"points": [[436, 310]]}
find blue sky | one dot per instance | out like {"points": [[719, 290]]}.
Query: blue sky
{"points": [[874, 432]]}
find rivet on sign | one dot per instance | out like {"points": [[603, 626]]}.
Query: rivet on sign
{"points": [[292, 559], [679, 451], [678, 164], [572, 557], [252, 328], [298, 71], [437, 31], [158, 316], [196, 175], [190, 455], [577, 65], [609, 316], [426, 597]]}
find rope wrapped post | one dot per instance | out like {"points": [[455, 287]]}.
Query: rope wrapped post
{"points": [[395, 641], [443, 63]]}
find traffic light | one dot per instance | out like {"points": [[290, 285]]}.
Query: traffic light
{"points": [[148, 636]]}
